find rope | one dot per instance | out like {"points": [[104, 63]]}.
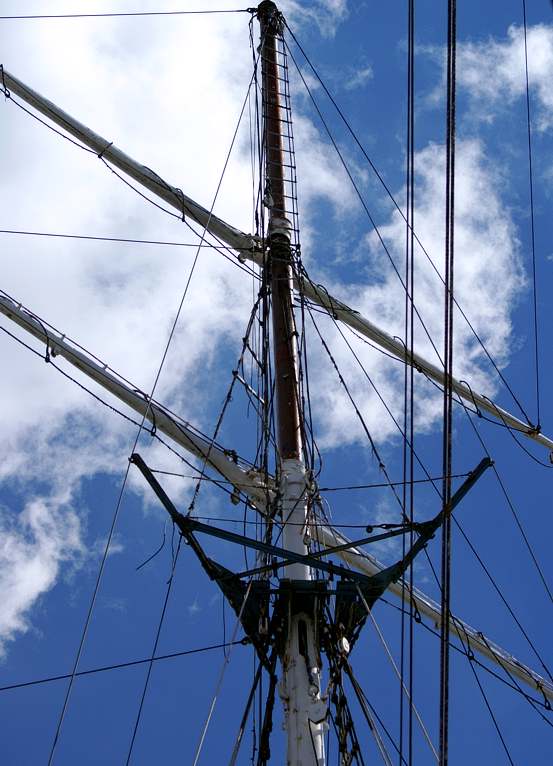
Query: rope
{"points": [[408, 382], [154, 650], [118, 15], [531, 185], [396, 670], [448, 386], [224, 667], [117, 666], [137, 437], [403, 215]]}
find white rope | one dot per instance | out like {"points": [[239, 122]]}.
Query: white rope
{"points": [[221, 677], [390, 657]]}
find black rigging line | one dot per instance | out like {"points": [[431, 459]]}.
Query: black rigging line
{"points": [[137, 437], [476, 411], [154, 650], [546, 703], [448, 384], [516, 439], [430, 479], [511, 508], [360, 197], [218, 482], [88, 618], [403, 215], [363, 700], [367, 715], [378, 393], [387, 408], [374, 449], [119, 14], [512, 684], [408, 381], [245, 715], [221, 247], [470, 655], [394, 420], [191, 506], [483, 566], [531, 184], [117, 666], [523, 534], [109, 239], [503, 599], [338, 663], [226, 403]]}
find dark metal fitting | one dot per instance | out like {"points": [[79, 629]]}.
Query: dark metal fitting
{"points": [[280, 226]]}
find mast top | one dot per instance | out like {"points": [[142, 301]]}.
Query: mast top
{"points": [[268, 13]]}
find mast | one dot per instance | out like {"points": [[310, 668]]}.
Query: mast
{"points": [[300, 687]]}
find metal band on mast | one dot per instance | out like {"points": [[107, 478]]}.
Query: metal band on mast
{"points": [[300, 688]]}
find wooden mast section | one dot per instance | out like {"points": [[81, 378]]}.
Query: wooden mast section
{"points": [[300, 687], [280, 255]]}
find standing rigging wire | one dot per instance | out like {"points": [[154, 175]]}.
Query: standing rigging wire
{"points": [[361, 198], [408, 384], [117, 666], [512, 683], [396, 670], [227, 400], [221, 677], [512, 508], [531, 189], [448, 385], [135, 443], [343, 721], [390, 484], [402, 214], [119, 14], [469, 654], [374, 449], [154, 650]]}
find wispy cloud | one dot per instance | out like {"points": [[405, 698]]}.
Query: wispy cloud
{"points": [[33, 547], [359, 78], [488, 278], [326, 14], [492, 73], [117, 300]]}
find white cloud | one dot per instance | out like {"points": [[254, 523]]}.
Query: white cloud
{"points": [[151, 98], [488, 278], [168, 93], [359, 78], [194, 608], [493, 72], [33, 547], [326, 14]]}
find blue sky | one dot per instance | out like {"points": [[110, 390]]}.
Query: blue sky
{"points": [[167, 91]]}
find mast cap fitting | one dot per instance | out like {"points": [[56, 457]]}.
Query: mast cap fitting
{"points": [[281, 227]]}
